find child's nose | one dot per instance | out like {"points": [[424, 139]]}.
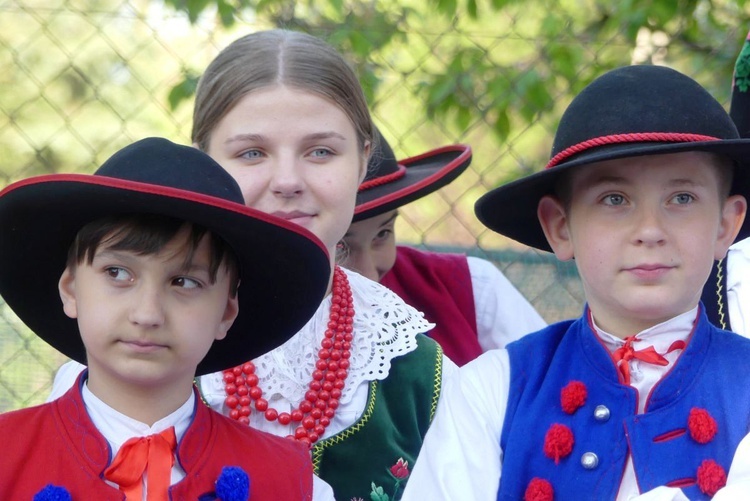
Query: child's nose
{"points": [[287, 180], [650, 226], [148, 308]]}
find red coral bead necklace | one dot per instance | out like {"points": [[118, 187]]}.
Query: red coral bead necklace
{"points": [[321, 400]]}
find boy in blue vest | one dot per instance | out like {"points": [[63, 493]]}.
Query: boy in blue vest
{"points": [[163, 275], [641, 394]]}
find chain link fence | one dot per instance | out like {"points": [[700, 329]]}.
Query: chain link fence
{"points": [[82, 79]]}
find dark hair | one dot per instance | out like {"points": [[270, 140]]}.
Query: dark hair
{"points": [[147, 234]]}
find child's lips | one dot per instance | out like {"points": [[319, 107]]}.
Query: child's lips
{"points": [[298, 217], [143, 346], [650, 271]]}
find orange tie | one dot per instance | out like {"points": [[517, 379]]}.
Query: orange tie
{"points": [[152, 454]]}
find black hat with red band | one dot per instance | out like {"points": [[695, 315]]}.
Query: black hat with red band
{"points": [[627, 112], [390, 183], [284, 270]]}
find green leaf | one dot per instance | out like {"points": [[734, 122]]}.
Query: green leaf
{"points": [[360, 44], [195, 8], [501, 125], [443, 87], [226, 13], [471, 8], [447, 7], [182, 91], [463, 117]]}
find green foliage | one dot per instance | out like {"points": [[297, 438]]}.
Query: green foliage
{"points": [[476, 79], [184, 90]]}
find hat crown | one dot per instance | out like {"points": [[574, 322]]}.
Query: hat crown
{"points": [[153, 160], [641, 99], [382, 162]]}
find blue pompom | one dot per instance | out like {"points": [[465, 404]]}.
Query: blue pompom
{"points": [[233, 484], [53, 493]]}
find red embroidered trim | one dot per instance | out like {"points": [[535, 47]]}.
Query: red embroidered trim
{"points": [[640, 137], [669, 435], [366, 185], [682, 482]]}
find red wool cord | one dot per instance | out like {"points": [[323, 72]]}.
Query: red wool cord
{"points": [[639, 137], [366, 185], [319, 406]]}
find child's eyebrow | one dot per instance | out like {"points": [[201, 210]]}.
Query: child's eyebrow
{"points": [[687, 182], [325, 135], [317, 136], [244, 137], [595, 181]]}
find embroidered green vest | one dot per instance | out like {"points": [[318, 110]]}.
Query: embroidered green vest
{"points": [[398, 412]]}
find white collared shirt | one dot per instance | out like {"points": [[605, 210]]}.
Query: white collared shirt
{"points": [[472, 411], [118, 428]]}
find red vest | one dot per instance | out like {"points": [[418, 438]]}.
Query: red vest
{"points": [[56, 443], [439, 285]]}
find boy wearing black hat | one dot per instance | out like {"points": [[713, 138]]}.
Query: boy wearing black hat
{"points": [[473, 305], [641, 393], [726, 295], [147, 256]]}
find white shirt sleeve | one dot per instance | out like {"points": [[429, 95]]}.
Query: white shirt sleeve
{"points": [[503, 313], [738, 478], [738, 286], [461, 456], [321, 490], [65, 379]]}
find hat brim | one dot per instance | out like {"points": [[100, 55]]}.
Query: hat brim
{"points": [[511, 210], [284, 269], [424, 174]]}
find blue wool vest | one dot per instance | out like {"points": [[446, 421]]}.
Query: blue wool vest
{"points": [[710, 374]]}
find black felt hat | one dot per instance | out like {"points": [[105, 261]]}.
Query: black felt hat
{"points": [[627, 112], [390, 183], [284, 269]]}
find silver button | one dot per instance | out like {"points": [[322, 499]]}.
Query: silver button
{"points": [[589, 460], [601, 413]]}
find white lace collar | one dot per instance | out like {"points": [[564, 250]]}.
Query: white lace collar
{"points": [[384, 328]]}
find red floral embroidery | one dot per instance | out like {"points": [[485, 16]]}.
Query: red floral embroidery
{"points": [[711, 477], [702, 425], [573, 396], [558, 442], [400, 469], [539, 490]]}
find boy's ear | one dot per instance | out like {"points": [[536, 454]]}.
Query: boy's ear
{"points": [[67, 288], [554, 222], [230, 314], [732, 216]]}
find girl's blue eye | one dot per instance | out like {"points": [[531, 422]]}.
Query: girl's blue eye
{"points": [[252, 154], [614, 199], [321, 152], [683, 198]]}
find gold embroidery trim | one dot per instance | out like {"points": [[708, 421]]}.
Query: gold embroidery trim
{"points": [[320, 447], [438, 382], [720, 294]]}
